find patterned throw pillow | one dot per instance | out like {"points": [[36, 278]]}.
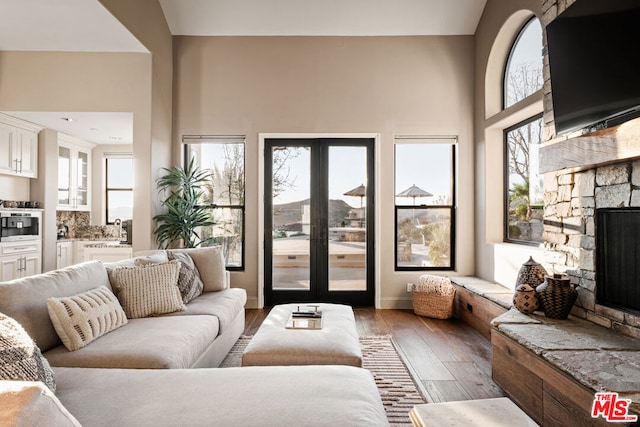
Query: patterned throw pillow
{"points": [[189, 281], [20, 357], [85, 317], [148, 290]]}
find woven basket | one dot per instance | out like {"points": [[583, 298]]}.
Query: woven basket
{"points": [[433, 297]]}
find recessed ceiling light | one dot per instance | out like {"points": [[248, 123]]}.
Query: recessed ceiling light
{"points": [[116, 138], [94, 129], [67, 119]]}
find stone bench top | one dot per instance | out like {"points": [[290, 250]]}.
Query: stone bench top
{"points": [[596, 357], [495, 292]]}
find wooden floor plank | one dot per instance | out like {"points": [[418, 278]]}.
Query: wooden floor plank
{"points": [[450, 359], [445, 391], [473, 380], [424, 362]]}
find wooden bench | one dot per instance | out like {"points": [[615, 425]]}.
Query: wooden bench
{"points": [[553, 368], [479, 301]]}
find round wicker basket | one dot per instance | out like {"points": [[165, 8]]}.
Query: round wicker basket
{"points": [[433, 296]]}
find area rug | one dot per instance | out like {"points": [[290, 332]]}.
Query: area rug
{"points": [[397, 389]]}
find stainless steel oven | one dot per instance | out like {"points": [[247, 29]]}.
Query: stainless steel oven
{"points": [[16, 226]]}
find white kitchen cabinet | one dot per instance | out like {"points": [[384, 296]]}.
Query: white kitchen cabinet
{"points": [[79, 247], [64, 254], [20, 259], [74, 173], [18, 147], [107, 253]]}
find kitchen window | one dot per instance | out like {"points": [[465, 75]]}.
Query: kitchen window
{"points": [[119, 187]]}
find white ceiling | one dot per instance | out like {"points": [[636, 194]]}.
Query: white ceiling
{"points": [[99, 128], [322, 17], [86, 26], [63, 25]]}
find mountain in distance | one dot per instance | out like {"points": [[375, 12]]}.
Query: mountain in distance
{"points": [[288, 216]]}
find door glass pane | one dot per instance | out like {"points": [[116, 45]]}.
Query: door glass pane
{"points": [[346, 218], [291, 215]]}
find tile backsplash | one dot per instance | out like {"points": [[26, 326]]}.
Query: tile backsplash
{"points": [[80, 227]]}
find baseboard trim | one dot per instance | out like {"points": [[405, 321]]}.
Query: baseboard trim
{"points": [[252, 302], [396, 303]]}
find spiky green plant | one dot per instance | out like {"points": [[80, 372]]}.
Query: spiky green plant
{"points": [[184, 213]]}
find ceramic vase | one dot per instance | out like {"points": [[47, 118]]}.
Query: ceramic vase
{"points": [[525, 299], [557, 296]]}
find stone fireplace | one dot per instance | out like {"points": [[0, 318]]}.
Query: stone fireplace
{"points": [[583, 173]]}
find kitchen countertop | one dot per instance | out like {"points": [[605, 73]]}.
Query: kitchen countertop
{"points": [[114, 244], [99, 243], [22, 209]]}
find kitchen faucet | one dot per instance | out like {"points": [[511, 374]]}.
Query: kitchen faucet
{"points": [[118, 222]]}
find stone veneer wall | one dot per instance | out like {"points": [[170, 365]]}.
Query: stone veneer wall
{"points": [[570, 201]]}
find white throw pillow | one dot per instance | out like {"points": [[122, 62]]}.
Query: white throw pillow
{"points": [[85, 317], [148, 290]]}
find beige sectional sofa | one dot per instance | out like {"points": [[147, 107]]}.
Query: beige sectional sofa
{"points": [[141, 373], [198, 337]]}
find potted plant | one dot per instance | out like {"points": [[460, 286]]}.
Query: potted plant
{"points": [[184, 213]]}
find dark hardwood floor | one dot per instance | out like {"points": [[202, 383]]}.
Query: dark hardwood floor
{"points": [[450, 359]]}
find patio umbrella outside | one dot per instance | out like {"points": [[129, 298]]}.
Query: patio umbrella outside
{"points": [[359, 191], [414, 192]]}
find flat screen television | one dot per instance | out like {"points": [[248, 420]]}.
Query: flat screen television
{"points": [[594, 62]]}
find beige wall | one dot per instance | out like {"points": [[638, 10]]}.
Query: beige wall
{"points": [[145, 20], [129, 82], [381, 85], [498, 26], [74, 81]]}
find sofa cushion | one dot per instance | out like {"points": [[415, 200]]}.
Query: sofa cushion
{"points": [[271, 396], [148, 290], [225, 305], [20, 357], [28, 403], [26, 299], [189, 281], [85, 317], [211, 266], [150, 257], [151, 342]]}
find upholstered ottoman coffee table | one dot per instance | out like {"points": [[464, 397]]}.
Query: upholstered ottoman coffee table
{"points": [[336, 343]]}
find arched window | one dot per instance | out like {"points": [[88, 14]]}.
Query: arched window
{"points": [[523, 70], [523, 186]]}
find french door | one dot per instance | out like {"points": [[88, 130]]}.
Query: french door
{"points": [[319, 221]]}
